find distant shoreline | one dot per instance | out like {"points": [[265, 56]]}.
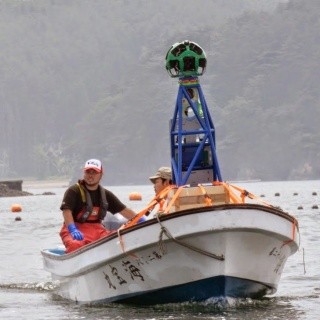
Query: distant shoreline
{"points": [[40, 184]]}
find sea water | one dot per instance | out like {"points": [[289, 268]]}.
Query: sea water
{"points": [[26, 290]]}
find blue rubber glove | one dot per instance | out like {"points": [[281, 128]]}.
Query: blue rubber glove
{"points": [[142, 219], [75, 233]]}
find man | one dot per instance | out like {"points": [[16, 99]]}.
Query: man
{"points": [[161, 180], [84, 206]]}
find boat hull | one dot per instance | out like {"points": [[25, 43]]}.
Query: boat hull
{"points": [[231, 250]]}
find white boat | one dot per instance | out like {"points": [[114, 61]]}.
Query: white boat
{"points": [[213, 239], [235, 250]]}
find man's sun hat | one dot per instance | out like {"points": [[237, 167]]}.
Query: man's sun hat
{"points": [[163, 172], [94, 164]]}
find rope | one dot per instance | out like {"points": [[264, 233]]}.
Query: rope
{"points": [[163, 249], [244, 193], [122, 244], [303, 261], [293, 231]]}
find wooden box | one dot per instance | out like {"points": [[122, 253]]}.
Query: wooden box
{"points": [[193, 197]]}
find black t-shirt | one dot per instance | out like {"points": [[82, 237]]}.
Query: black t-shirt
{"points": [[72, 200]]}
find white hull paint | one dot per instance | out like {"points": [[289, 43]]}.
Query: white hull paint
{"points": [[255, 242]]}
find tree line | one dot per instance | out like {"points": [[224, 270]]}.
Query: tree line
{"points": [[86, 79]]}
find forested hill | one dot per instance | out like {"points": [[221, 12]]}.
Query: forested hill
{"points": [[83, 79]]}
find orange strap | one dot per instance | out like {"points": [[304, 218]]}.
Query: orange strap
{"points": [[134, 220], [161, 204], [157, 199], [233, 197], [208, 201], [245, 193], [174, 198]]}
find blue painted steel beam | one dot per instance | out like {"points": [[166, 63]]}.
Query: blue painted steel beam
{"points": [[178, 135]]}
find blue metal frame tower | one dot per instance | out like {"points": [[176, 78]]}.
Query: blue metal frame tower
{"points": [[192, 134]]}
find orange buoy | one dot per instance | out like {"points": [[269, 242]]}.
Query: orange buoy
{"points": [[16, 208], [135, 196]]}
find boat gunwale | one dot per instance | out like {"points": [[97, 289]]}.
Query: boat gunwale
{"points": [[222, 207]]}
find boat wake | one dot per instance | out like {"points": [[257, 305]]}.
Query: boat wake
{"points": [[38, 286], [214, 304], [229, 303]]}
